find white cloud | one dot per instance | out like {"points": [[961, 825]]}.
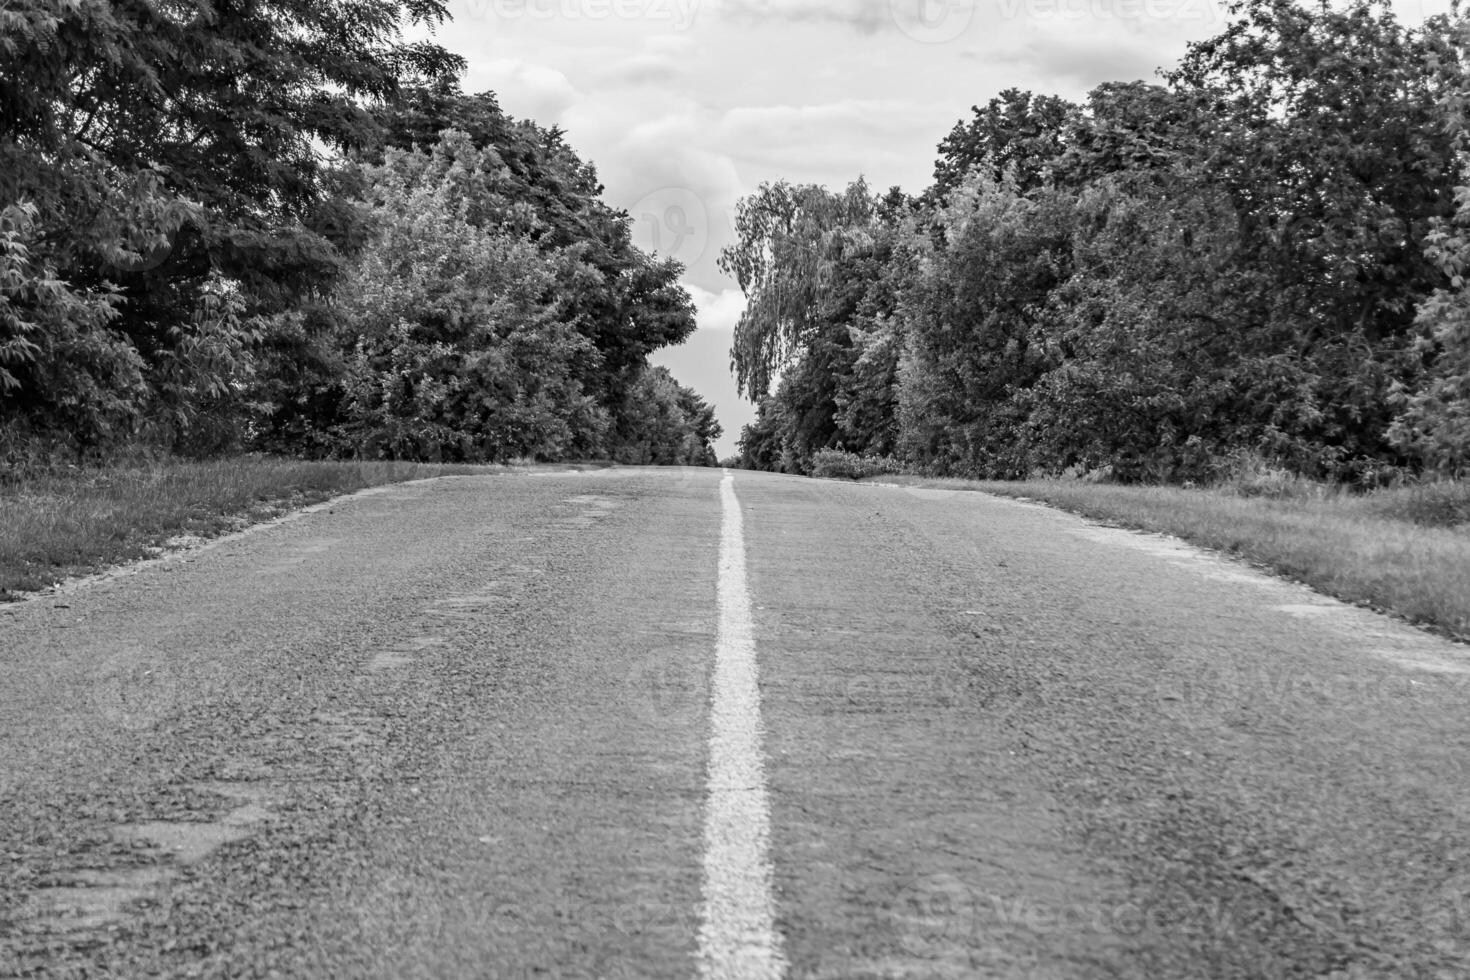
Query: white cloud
{"points": [[679, 189], [718, 310], [1090, 62], [836, 142], [537, 91], [643, 69], [672, 45]]}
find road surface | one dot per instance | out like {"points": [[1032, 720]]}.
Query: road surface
{"points": [[677, 723]]}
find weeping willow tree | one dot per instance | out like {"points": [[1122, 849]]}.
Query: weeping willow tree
{"points": [[791, 239]]}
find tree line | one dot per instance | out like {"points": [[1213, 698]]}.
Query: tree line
{"points": [[1260, 256], [277, 225]]}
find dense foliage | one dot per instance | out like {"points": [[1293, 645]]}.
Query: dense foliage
{"points": [[1262, 257], [275, 224]]}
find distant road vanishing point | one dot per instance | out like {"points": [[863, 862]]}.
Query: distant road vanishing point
{"points": [[680, 723]]}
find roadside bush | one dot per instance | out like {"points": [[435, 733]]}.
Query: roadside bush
{"points": [[1247, 474], [838, 464], [1435, 503]]}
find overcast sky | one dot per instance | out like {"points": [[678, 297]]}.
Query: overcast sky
{"points": [[686, 105]]}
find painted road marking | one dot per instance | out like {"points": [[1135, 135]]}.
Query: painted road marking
{"points": [[738, 938]]}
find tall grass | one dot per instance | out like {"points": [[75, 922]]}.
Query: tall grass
{"points": [[1404, 550], [69, 522]]}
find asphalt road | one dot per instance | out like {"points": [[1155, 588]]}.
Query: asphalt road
{"points": [[578, 724]]}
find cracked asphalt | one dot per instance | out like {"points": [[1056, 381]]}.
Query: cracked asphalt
{"points": [[459, 729]]}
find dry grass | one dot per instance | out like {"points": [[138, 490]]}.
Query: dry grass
{"points": [[1404, 551], [59, 525]]}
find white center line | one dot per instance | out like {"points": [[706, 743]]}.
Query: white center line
{"points": [[738, 938]]}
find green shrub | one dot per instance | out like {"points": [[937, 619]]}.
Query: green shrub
{"points": [[1437, 503], [1248, 474], [838, 464]]}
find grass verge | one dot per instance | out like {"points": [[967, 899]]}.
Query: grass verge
{"points": [[57, 526], [1403, 551]]}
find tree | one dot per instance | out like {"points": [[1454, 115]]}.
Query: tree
{"points": [[1333, 145], [761, 440], [458, 344], [985, 271], [1017, 135], [1433, 424], [866, 388], [169, 146], [458, 333], [628, 304], [64, 373], [666, 424], [1138, 127], [1154, 363], [788, 239], [1257, 257]]}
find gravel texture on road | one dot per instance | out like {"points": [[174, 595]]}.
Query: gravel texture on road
{"points": [[460, 729]]}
